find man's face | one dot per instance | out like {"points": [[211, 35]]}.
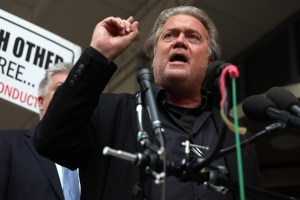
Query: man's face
{"points": [[181, 54], [44, 101]]}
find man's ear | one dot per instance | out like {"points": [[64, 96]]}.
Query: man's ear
{"points": [[210, 59], [41, 103]]}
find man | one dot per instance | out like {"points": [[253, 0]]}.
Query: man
{"points": [[81, 120], [24, 174]]}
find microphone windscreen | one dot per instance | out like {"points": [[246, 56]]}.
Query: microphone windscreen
{"points": [[211, 68], [283, 98], [212, 73], [145, 74], [255, 107]]}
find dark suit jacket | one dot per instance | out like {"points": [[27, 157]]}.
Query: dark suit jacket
{"points": [[24, 174], [78, 125]]}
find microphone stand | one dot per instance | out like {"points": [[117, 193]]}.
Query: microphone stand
{"points": [[151, 163], [211, 178], [145, 79], [151, 152], [267, 130]]}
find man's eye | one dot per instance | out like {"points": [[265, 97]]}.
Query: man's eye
{"points": [[168, 36], [195, 37]]}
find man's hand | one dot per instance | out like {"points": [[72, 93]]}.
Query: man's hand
{"points": [[113, 35]]}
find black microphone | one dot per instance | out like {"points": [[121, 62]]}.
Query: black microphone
{"points": [[212, 74], [145, 79], [262, 109], [284, 99]]}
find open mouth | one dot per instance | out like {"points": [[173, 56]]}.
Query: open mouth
{"points": [[178, 58]]}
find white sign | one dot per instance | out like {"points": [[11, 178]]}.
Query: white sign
{"points": [[26, 50]]}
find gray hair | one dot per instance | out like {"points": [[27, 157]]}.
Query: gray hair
{"points": [[213, 36], [50, 72]]}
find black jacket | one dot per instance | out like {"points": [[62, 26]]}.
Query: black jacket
{"points": [[24, 174]]}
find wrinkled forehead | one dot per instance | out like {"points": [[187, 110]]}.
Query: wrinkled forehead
{"points": [[184, 22]]}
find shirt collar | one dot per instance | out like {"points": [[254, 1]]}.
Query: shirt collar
{"points": [[162, 95]]}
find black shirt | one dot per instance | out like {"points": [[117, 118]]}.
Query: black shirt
{"points": [[181, 124]]}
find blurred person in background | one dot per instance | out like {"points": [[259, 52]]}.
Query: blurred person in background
{"points": [[24, 174]]}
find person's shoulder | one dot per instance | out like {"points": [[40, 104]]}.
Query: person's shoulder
{"points": [[11, 133], [11, 140]]}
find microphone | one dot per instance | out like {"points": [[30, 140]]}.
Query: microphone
{"points": [[145, 79], [284, 99], [262, 109], [212, 74]]}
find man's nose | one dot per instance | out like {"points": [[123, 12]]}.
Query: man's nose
{"points": [[181, 41]]}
